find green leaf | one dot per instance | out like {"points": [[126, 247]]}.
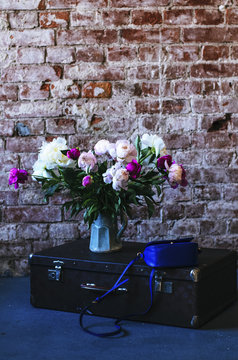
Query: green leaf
{"points": [[150, 206]]}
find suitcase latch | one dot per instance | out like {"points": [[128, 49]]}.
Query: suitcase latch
{"points": [[56, 273], [162, 286]]}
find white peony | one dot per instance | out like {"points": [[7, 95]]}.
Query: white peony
{"points": [[40, 170], [108, 175], [155, 142], [125, 151], [101, 147], [50, 154]]}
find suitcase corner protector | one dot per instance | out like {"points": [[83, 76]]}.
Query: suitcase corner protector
{"points": [[195, 322], [195, 274]]}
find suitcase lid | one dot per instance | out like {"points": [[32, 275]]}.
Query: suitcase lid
{"points": [[76, 255]]}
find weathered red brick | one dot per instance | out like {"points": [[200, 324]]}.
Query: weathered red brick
{"points": [[65, 89], [61, 4], [151, 89], [211, 52], [209, 17], [140, 36], [124, 53], [217, 87], [94, 72], [234, 53], [60, 126], [8, 92], [64, 230], [30, 55], [8, 160], [32, 109], [134, 3], [54, 19], [206, 106], [150, 54], [181, 53], [73, 37], [214, 70], [232, 16], [8, 198], [31, 73], [89, 54], [19, 5], [148, 72], [115, 17], [196, 2], [187, 88], [211, 34], [147, 107], [97, 90], [30, 144], [174, 71], [33, 91], [33, 126], [27, 214], [31, 37], [23, 20], [145, 17], [6, 127], [65, 55], [177, 106], [178, 17], [83, 18], [170, 35]]}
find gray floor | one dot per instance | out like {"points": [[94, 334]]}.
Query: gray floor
{"points": [[27, 333]]}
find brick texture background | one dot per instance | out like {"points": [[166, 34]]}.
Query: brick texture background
{"points": [[163, 66]]}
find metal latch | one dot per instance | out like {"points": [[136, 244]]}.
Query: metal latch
{"points": [[162, 286], [56, 273]]}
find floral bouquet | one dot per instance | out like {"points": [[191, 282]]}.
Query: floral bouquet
{"points": [[108, 179]]}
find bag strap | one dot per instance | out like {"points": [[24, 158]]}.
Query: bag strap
{"points": [[179, 252]]}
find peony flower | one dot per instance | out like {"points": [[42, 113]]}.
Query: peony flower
{"points": [[101, 148], [177, 176], [154, 142], [125, 151], [87, 180], [50, 154], [164, 162], [39, 170], [17, 176], [108, 175], [120, 179], [73, 154], [87, 161], [112, 150], [134, 169]]}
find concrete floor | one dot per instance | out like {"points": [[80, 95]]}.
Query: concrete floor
{"points": [[28, 333]]}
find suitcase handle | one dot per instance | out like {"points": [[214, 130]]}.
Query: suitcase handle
{"points": [[94, 287]]}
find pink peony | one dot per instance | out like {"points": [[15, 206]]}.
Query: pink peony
{"points": [[87, 161], [17, 177], [73, 154], [87, 180], [134, 169], [164, 162]]}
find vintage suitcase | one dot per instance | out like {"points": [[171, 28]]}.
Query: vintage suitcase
{"points": [[69, 277]]}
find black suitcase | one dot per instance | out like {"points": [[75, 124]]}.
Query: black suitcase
{"points": [[68, 277]]}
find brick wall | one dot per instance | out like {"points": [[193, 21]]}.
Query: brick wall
{"points": [[163, 66]]}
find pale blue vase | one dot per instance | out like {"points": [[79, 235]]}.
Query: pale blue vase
{"points": [[105, 236]]}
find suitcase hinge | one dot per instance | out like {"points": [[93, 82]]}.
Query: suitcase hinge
{"points": [[162, 286], [195, 274], [56, 273]]}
